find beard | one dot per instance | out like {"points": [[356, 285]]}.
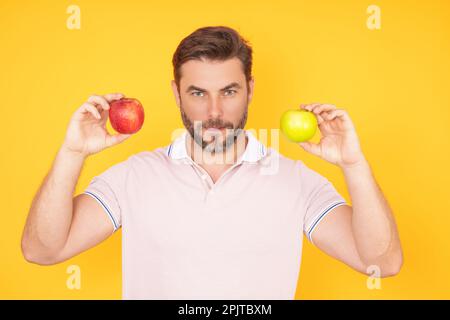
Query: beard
{"points": [[214, 145]]}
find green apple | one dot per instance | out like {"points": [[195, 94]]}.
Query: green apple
{"points": [[298, 125]]}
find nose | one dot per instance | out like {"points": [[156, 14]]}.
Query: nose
{"points": [[215, 108]]}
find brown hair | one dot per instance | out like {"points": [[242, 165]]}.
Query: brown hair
{"points": [[213, 43]]}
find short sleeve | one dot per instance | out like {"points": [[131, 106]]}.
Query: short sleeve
{"points": [[319, 198], [108, 189]]}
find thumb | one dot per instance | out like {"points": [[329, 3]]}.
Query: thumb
{"points": [[116, 139], [311, 148]]}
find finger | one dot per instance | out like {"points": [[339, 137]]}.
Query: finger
{"points": [[334, 114], [311, 106], [90, 108], [99, 101], [323, 108], [311, 148], [340, 114], [113, 96], [115, 139], [320, 120]]}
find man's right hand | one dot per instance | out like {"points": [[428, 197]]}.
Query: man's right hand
{"points": [[86, 133]]}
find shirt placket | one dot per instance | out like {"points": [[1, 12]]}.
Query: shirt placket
{"points": [[209, 186]]}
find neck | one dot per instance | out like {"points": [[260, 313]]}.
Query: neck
{"points": [[223, 159]]}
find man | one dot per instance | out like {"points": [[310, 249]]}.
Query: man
{"points": [[201, 218]]}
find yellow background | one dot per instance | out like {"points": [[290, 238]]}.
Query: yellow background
{"points": [[393, 82]]}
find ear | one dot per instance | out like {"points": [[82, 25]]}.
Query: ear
{"points": [[175, 92], [251, 85]]}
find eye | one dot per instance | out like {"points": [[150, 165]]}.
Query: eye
{"points": [[194, 93], [232, 92]]}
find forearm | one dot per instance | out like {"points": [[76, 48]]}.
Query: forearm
{"points": [[373, 224], [50, 215]]}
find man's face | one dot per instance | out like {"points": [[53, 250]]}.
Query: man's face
{"points": [[213, 98]]}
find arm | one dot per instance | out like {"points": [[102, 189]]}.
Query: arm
{"points": [[60, 226], [366, 233], [373, 224]]}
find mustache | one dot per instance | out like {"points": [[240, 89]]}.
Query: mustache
{"points": [[217, 123]]}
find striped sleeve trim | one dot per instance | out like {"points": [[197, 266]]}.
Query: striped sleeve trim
{"points": [[321, 216], [169, 150], [105, 207]]}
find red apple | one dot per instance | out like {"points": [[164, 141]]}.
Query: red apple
{"points": [[126, 115]]}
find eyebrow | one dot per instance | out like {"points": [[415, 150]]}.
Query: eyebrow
{"points": [[231, 85]]}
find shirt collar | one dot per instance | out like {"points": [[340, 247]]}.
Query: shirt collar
{"points": [[254, 150]]}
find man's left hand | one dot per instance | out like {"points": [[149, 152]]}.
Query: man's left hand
{"points": [[339, 143]]}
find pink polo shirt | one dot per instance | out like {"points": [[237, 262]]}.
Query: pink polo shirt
{"points": [[185, 237]]}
